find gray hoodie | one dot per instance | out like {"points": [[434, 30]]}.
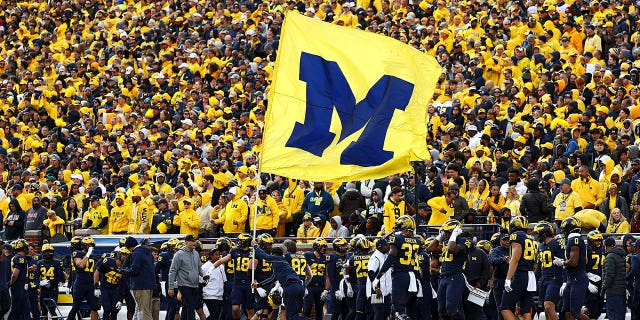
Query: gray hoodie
{"points": [[185, 270], [341, 231]]}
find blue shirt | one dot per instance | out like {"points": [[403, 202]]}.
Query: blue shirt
{"points": [[318, 203], [496, 259]]}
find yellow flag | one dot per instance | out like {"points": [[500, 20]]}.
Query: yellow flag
{"points": [[345, 104]]}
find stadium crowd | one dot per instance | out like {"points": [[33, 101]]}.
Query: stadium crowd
{"points": [[147, 118]]}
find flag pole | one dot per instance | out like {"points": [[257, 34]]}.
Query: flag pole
{"points": [[255, 223]]}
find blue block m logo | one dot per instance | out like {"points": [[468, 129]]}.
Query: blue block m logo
{"points": [[327, 88]]}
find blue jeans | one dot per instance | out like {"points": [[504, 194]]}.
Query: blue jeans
{"points": [[616, 307], [189, 300]]}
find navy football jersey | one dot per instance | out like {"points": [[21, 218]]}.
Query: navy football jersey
{"points": [[20, 262], [407, 248], [84, 276], [263, 270], [423, 266], [32, 273], [241, 260], [529, 250], [318, 267], [109, 276], [547, 253], [51, 270], [576, 241], [359, 264], [450, 263], [163, 265], [595, 260], [299, 264], [335, 269]]}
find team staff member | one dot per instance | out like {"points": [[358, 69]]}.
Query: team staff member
{"points": [[51, 273], [403, 251], [452, 260], [551, 281], [292, 287], [83, 286], [519, 276], [19, 282], [613, 280], [380, 297], [186, 268], [575, 266], [263, 272], [499, 259], [225, 245], [317, 262], [268, 214]]}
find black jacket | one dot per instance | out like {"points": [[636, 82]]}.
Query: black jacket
{"points": [[534, 206], [613, 274]]}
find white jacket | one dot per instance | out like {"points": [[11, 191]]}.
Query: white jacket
{"points": [[375, 264], [215, 287]]}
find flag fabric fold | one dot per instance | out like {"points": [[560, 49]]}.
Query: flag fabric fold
{"points": [[345, 104]]}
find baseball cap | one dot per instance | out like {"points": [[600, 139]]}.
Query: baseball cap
{"points": [[189, 237], [610, 242]]}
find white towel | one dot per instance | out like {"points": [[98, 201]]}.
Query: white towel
{"points": [[413, 287], [376, 300], [420, 295], [531, 286], [434, 294]]}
